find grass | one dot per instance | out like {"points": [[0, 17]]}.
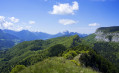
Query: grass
{"points": [[56, 65]]}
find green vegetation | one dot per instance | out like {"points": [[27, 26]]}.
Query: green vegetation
{"points": [[56, 65], [17, 68], [56, 50], [89, 40], [30, 52], [70, 55], [109, 50], [97, 62], [59, 55]]}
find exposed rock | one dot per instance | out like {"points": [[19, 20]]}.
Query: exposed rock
{"points": [[107, 36]]}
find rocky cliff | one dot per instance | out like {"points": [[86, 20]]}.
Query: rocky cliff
{"points": [[107, 34]]}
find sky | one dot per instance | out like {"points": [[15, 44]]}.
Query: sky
{"points": [[53, 16]]}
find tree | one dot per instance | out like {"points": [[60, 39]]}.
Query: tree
{"points": [[57, 50]]}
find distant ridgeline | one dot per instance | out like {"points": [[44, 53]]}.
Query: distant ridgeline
{"points": [[9, 38], [107, 34]]}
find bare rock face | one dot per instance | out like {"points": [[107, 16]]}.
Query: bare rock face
{"points": [[107, 35]]}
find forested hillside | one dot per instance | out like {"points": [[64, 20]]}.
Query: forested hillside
{"points": [[30, 50], [109, 50], [66, 50]]}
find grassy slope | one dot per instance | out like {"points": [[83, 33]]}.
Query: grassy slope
{"points": [[89, 40], [33, 50], [24, 49], [56, 65]]}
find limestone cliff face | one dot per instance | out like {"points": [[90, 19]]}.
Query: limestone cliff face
{"points": [[108, 36]]}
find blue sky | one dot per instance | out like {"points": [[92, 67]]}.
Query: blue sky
{"points": [[53, 16]]}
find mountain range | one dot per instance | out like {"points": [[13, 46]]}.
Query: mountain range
{"points": [[8, 38], [28, 35]]}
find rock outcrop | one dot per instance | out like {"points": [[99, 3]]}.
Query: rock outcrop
{"points": [[107, 34]]}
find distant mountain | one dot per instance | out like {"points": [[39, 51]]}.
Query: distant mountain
{"points": [[67, 33], [7, 36], [7, 40], [28, 35]]}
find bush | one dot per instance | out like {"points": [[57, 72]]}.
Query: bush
{"points": [[75, 62], [17, 68], [70, 55]]}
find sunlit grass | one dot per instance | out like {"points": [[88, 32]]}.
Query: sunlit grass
{"points": [[57, 65]]}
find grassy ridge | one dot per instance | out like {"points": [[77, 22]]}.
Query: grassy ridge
{"points": [[56, 65]]}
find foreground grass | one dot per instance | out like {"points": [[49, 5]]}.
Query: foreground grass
{"points": [[56, 65]]}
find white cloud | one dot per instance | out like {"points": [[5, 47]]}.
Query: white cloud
{"points": [[2, 18], [4, 24], [32, 22], [13, 19], [94, 24], [66, 8], [7, 24], [67, 21], [10, 23]]}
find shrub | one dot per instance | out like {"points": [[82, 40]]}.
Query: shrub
{"points": [[70, 55], [17, 68], [75, 62]]}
